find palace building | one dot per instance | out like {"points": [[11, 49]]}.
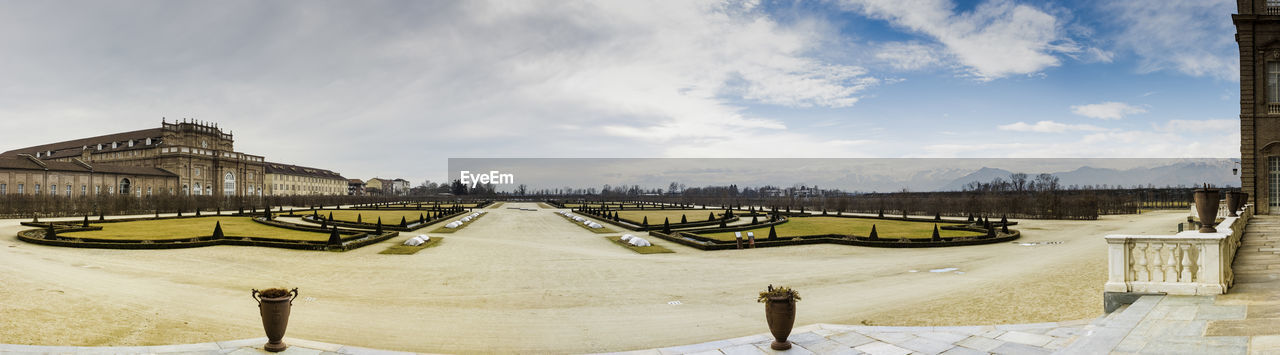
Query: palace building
{"points": [[199, 157], [285, 180], [27, 175], [1258, 34]]}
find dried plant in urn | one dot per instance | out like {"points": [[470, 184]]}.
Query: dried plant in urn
{"points": [[780, 312]]}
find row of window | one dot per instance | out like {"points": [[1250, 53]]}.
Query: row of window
{"points": [[124, 188], [113, 145], [84, 189], [283, 187]]}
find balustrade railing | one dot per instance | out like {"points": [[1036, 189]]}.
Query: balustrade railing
{"points": [[1187, 263]]}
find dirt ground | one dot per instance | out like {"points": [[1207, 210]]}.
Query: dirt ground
{"points": [[523, 281]]}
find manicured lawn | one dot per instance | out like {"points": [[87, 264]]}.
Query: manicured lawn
{"points": [[191, 228], [371, 216], [497, 205], [401, 249], [656, 216], [651, 249], [886, 229], [427, 205]]}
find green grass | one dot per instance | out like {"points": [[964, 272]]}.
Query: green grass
{"points": [[656, 216], [401, 249], [442, 228], [496, 205], [544, 205], [601, 230], [886, 229], [428, 205], [389, 217], [651, 249], [183, 228]]}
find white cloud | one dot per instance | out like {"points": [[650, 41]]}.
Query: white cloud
{"points": [[1198, 125], [997, 39], [1107, 110], [1171, 139], [1194, 37], [438, 79], [1047, 127], [907, 55]]}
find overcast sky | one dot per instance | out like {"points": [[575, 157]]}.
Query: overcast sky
{"points": [[394, 88]]}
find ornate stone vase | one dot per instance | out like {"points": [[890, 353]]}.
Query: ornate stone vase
{"points": [[780, 312], [1238, 199], [1207, 209], [275, 318]]}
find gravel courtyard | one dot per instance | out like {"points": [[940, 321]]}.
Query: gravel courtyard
{"points": [[530, 281]]}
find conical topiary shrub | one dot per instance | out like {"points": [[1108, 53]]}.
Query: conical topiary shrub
{"points": [[217, 230], [49, 233], [936, 236], [970, 218], [711, 216], [645, 223], [403, 223], [873, 235], [881, 213], [755, 219], [360, 218], [684, 219], [1004, 224], [773, 234], [937, 216], [666, 226], [86, 221], [334, 238]]}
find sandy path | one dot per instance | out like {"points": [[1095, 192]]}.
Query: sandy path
{"points": [[522, 281]]}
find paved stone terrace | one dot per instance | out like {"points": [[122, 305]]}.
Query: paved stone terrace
{"points": [[1246, 320]]}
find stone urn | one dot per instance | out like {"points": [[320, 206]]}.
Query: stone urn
{"points": [[780, 313], [1237, 202], [1207, 208], [274, 304]]}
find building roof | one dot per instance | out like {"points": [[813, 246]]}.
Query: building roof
{"points": [[72, 148], [287, 169], [355, 181], [27, 162]]}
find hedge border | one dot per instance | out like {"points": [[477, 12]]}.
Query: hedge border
{"points": [[708, 244], [357, 240], [410, 227]]}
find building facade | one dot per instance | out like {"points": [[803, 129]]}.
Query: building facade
{"points": [[1258, 35], [389, 187], [290, 180], [355, 187], [27, 175], [201, 155]]}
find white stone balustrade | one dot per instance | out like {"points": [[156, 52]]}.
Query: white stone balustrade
{"points": [[1187, 263]]}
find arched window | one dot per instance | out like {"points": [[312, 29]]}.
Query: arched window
{"points": [[197, 190], [208, 190], [124, 186], [229, 184], [186, 190]]}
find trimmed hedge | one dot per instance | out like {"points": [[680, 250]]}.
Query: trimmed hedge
{"points": [[704, 243], [37, 236]]}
